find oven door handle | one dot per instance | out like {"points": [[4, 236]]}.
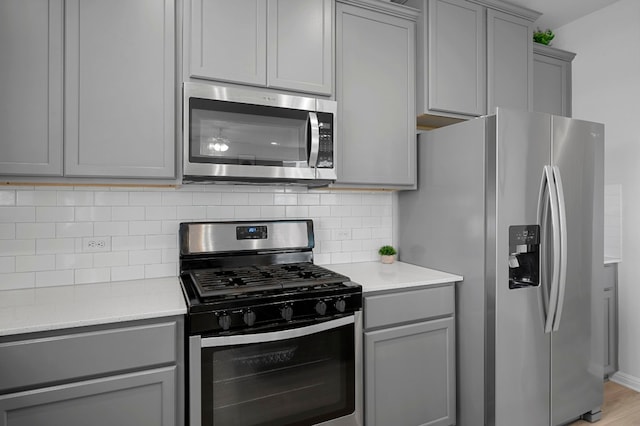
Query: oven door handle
{"points": [[243, 339]]}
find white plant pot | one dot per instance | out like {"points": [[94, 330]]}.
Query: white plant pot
{"points": [[387, 259]]}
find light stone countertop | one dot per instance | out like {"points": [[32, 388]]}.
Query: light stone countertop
{"points": [[376, 276], [52, 308], [610, 260]]}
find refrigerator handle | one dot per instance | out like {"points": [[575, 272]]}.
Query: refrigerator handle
{"points": [[562, 213], [555, 228], [543, 213]]}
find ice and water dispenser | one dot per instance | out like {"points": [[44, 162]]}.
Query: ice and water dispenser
{"points": [[524, 256]]}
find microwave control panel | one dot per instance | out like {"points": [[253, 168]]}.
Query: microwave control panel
{"points": [[325, 153]]}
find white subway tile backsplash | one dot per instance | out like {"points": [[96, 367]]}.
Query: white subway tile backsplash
{"points": [[161, 270], [8, 198], [54, 278], [7, 265], [7, 231], [101, 229], [55, 245], [36, 198], [127, 213], [177, 199], [160, 213], [114, 258], [124, 273], [206, 199], [145, 199], [93, 214], [35, 263], [54, 214], [107, 198], [234, 199], [145, 257], [272, 212], [161, 241], [74, 229], [44, 228], [17, 214], [246, 212], [18, 281], [93, 275], [17, 247], [149, 227], [75, 198], [297, 212], [127, 243], [74, 261]]}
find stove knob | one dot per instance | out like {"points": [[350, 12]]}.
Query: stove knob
{"points": [[224, 321], [287, 312], [321, 307], [340, 305], [249, 317]]}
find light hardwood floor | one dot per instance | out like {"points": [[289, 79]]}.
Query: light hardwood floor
{"points": [[621, 407]]}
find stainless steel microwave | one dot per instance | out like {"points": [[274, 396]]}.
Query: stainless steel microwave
{"points": [[241, 135]]}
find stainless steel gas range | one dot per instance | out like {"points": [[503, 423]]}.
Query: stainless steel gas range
{"points": [[273, 339]]}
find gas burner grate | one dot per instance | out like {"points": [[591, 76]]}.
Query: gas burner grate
{"points": [[221, 282]]}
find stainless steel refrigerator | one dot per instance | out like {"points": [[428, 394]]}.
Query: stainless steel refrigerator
{"points": [[514, 203]]}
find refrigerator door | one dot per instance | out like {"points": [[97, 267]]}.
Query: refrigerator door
{"points": [[577, 343], [519, 382]]}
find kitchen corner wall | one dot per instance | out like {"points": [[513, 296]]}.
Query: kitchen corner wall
{"points": [[45, 231]]}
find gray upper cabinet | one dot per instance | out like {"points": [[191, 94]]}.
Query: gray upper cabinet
{"points": [[552, 80], [455, 63], [509, 61], [31, 39], [375, 90], [119, 88], [285, 44], [473, 55]]}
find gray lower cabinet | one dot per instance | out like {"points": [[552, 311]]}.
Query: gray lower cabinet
{"points": [[124, 374], [611, 319], [375, 90], [31, 39], [286, 44], [552, 80], [409, 358]]}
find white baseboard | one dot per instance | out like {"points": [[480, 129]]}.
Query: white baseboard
{"points": [[627, 380]]}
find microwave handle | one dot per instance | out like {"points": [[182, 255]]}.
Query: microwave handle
{"points": [[315, 139]]}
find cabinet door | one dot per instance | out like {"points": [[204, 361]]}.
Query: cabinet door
{"points": [[119, 88], [457, 57], [410, 373], [146, 398], [509, 61], [31, 39], [300, 45], [552, 85], [228, 40], [375, 81]]}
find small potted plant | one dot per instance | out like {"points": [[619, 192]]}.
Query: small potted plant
{"points": [[387, 254], [543, 37]]}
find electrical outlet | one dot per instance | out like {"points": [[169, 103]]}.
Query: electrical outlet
{"points": [[94, 244]]}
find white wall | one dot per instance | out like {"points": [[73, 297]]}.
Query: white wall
{"points": [[42, 229], [606, 88]]}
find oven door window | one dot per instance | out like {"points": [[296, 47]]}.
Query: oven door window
{"points": [[298, 381], [223, 132]]}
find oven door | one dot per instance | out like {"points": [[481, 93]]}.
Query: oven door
{"points": [[297, 376]]}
